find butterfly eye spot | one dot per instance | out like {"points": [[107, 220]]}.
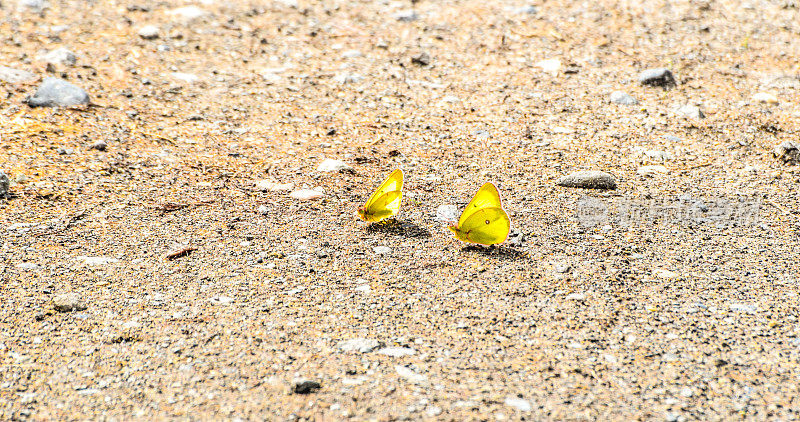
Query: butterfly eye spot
{"points": [[487, 221]]}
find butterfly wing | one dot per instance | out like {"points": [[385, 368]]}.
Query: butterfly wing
{"points": [[385, 201], [486, 197], [487, 226]]}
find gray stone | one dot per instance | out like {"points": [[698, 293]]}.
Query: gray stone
{"points": [[397, 352], [148, 32], [54, 92], [447, 213], [305, 386], [4, 184], [621, 97], [329, 165], [788, 152], [99, 145], [15, 76], [406, 15], [382, 250], [361, 345], [657, 77], [591, 179], [520, 404], [691, 111], [68, 302], [60, 56]]}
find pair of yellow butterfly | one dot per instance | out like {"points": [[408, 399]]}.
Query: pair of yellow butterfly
{"points": [[483, 221]]}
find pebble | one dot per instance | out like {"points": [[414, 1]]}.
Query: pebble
{"points": [[360, 345], [406, 15], [657, 155], [621, 97], [578, 297], [189, 78], [447, 213], [33, 5], [421, 59], [665, 274], [15, 76], [397, 352], [382, 250], [306, 194], [352, 54], [409, 374], [330, 165], [99, 145], [520, 404], [148, 32], [691, 111], [765, 97], [657, 77], [741, 307], [68, 302], [267, 185], [526, 10], [289, 3], [4, 184], [60, 56], [563, 268], [263, 210], [221, 300], [348, 78], [651, 170], [305, 386], [97, 261], [450, 99], [788, 152], [591, 179], [188, 13], [27, 266], [686, 392], [551, 66], [54, 92]]}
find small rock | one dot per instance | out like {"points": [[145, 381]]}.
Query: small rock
{"points": [[60, 56], [289, 3], [621, 97], [15, 76], [520, 404], [406, 15], [578, 297], [148, 32], [221, 300], [591, 179], [352, 54], [263, 209], [397, 352], [651, 170], [691, 111], [4, 184], [33, 5], [563, 268], [788, 152], [409, 374], [188, 13], [741, 307], [68, 302], [433, 411], [27, 266], [267, 185], [99, 145], [551, 66], [329, 165], [672, 417], [189, 78], [421, 59], [348, 78], [686, 392], [450, 99], [361, 345], [54, 92], [305, 386], [306, 194], [657, 155], [526, 10], [97, 261], [665, 274], [765, 97], [657, 77], [382, 250], [447, 213]]}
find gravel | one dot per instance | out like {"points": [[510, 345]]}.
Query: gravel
{"points": [[55, 92]]}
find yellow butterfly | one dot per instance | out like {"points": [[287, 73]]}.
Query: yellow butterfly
{"points": [[483, 221], [385, 201]]}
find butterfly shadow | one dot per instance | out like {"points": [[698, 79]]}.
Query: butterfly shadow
{"points": [[501, 252], [399, 228]]}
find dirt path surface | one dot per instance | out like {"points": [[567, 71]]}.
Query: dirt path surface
{"points": [[161, 258]]}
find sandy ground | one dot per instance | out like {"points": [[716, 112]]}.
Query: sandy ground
{"points": [[688, 316]]}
